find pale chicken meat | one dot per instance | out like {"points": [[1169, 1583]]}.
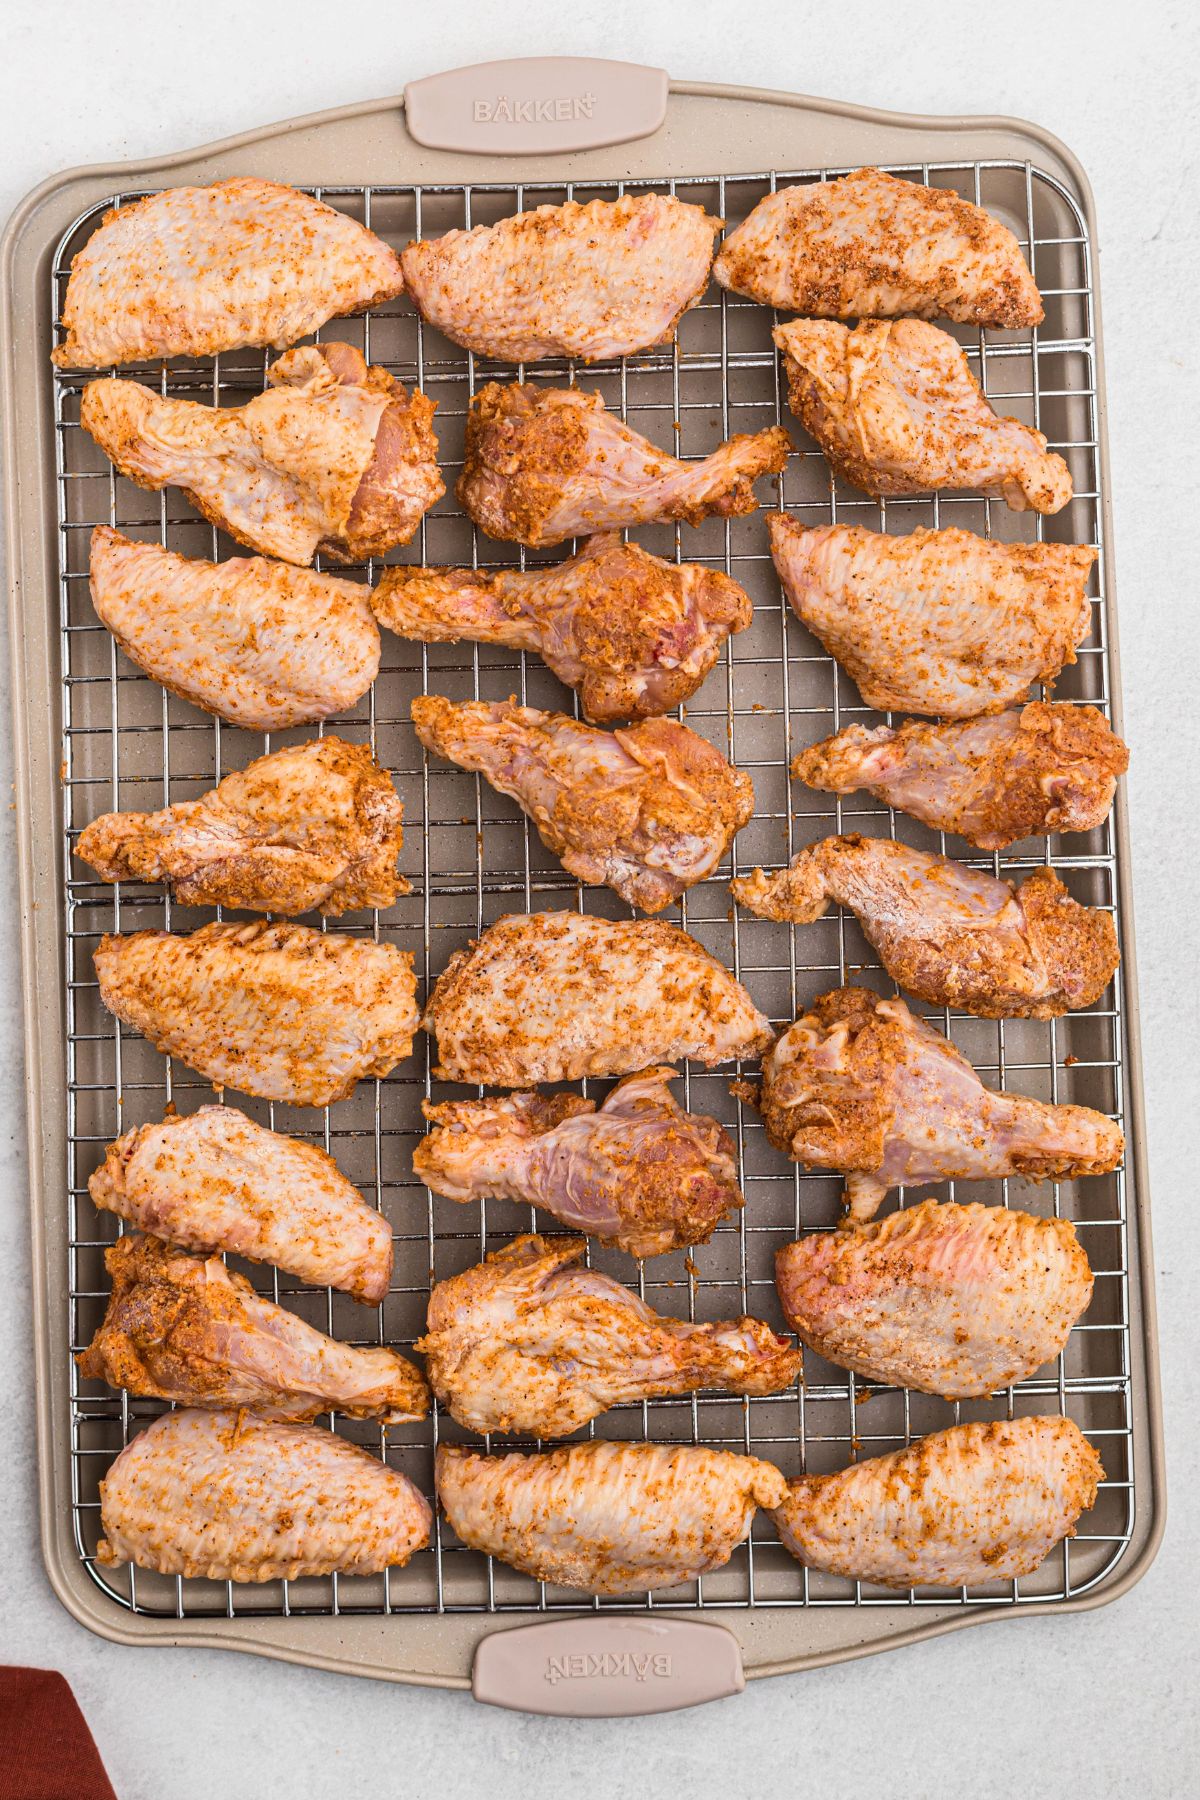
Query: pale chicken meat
{"points": [[947, 1299], [280, 1011], [226, 1496], [860, 1086], [637, 1171], [333, 457], [974, 1504], [1011, 775], [185, 1328], [871, 247], [215, 1180], [949, 934], [647, 810], [544, 464], [316, 827], [896, 410], [555, 996], [632, 634], [594, 282], [936, 622], [609, 1518], [193, 271], [528, 1341], [261, 644]]}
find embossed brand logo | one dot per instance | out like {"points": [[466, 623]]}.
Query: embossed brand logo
{"points": [[608, 1664], [504, 111]]}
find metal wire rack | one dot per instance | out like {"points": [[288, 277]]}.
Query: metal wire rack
{"points": [[471, 857]]}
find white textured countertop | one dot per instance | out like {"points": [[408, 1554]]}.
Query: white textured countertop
{"points": [[1102, 1703]]}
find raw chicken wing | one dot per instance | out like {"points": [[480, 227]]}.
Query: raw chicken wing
{"points": [[647, 810]]}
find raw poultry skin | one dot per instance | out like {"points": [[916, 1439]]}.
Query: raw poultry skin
{"points": [[647, 810], [870, 246], [977, 1503], [185, 1328], [334, 456], [949, 934], [632, 634], [947, 1299], [595, 282], [1013, 775], [226, 1496], [636, 1172], [259, 643], [197, 270], [544, 464], [214, 1180], [555, 996], [861, 1086], [316, 827], [896, 410], [529, 1342], [610, 1518], [280, 1011], [937, 622]]}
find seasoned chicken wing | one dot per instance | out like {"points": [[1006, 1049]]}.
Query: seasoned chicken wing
{"points": [[648, 810], [610, 1518], [259, 643], [186, 1328], [594, 281], [949, 934], [633, 635], [527, 1342], [861, 1086], [280, 1011], [214, 1180], [973, 1504], [869, 246], [544, 464], [228, 1497], [939, 622], [313, 827], [947, 1299], [896, 410], [197, 270], [637, 1172], [556, 996], [333, 457], [1013, 775]]}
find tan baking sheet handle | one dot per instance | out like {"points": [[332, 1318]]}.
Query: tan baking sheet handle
{"points": [[589, 1666], [534, 105]]}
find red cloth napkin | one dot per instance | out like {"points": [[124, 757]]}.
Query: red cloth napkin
{"points": [[46, 1749]]}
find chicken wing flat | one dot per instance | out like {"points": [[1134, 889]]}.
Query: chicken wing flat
{"points": [[228, 1497], [861, 1086], [281, 1011], [1013, 775], [316, 827], [869, 246], [647, 810], [527, 1341], [973, 1504], [197, 270], [939, 622], [214, 1180], [949, 934], [637, 1172], [896, 410], [186, 1328], [594, 281], [609, 1518], [333, 457], [633, 635], [555, 996], [261, 644], [947, 1299], [544, 464]]}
